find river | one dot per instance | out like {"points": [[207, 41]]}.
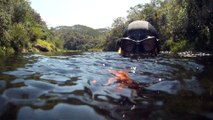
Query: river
{"points": [[75, 86]]}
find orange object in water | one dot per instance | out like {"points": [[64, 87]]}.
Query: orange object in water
{"points": [[121, 76], [123, 79]]}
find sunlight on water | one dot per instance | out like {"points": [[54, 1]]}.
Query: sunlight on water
{"points": [[105, 86]]}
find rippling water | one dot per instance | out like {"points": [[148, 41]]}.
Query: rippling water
{"points": [[74, 86]]}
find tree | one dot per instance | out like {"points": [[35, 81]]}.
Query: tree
{"points": [[200, 25], [19, 38], [21, 27], [5, 21], [118, 27], [182, 24]]}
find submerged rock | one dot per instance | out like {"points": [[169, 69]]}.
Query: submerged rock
{"points": [[171, 87]]}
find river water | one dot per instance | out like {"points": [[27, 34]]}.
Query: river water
{"points": [[75, 86]]}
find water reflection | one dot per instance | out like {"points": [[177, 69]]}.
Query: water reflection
{"points": [[104, 86]]}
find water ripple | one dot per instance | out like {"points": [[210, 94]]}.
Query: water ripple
{"points": [[68, 85], [60, 112], [24, 95]]}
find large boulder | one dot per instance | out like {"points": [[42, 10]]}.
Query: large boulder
{"points": [[41, 48]]}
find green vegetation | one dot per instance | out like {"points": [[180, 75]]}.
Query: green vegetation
{"points": [[115, 34], [176, 46], [81, 37], [21, 28], [182, 24]]}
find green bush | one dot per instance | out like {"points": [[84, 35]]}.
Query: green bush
{"points": [[19, 38], [37, 32], [179, 46], [58, 43], [176, 46], [5, 21], [169, 43]]}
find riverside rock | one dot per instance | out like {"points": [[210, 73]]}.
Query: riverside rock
{"points": [[41, 48]]}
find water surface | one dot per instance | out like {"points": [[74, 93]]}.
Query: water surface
{"points": [[75, 86]]}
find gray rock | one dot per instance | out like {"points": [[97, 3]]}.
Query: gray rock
{"points": [[171, 87]]}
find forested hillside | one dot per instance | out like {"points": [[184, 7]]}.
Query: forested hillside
{"points": [[79, 37], [21, 28], [182, 24]]}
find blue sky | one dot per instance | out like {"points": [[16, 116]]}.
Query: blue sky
{"points": [[92, 13]]}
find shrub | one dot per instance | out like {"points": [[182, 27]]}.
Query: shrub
{"points": [[176, 46], [19, 38]]}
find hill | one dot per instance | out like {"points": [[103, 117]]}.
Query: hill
{"points": [[81, 29], [102, 30], [80, 37]]}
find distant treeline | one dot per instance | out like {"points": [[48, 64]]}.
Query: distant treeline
{"points": [[79, 37], [21, 28], [182, 24]]}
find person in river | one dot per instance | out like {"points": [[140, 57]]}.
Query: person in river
{"points": [[139, 38]]}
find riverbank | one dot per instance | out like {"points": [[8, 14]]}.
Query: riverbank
{"points": [[188, 54]]}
